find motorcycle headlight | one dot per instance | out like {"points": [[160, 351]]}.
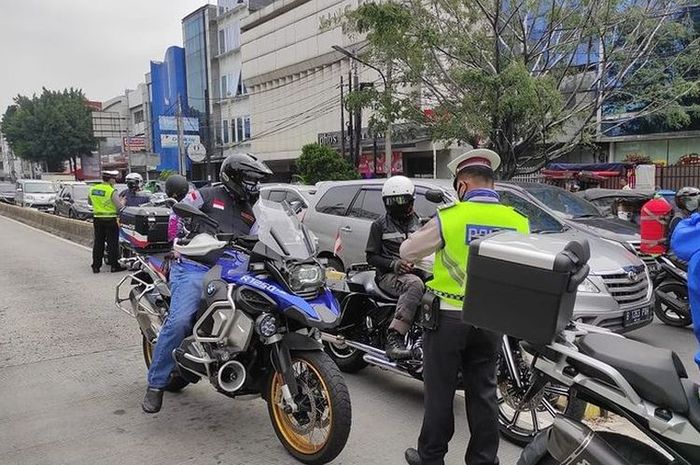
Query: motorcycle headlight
{"points": [[589, 287], [305, 276], [266, 325]]}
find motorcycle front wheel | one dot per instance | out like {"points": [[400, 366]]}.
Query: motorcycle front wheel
{"points": [[176, 383], [318, 431], [666, 313]]}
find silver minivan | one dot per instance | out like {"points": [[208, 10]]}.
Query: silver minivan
{"points": [[617, 295], [37, 194]]}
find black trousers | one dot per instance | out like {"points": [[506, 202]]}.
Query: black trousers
{"points": [[106, 230], [452, 347]]}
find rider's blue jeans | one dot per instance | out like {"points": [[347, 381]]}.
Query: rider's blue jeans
{"points": [[186, 280]]}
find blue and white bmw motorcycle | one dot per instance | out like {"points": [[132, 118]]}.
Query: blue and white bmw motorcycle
{"points": [[258, 328]]}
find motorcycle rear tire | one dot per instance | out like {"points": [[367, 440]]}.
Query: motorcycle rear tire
{"points": [[679, 289], [632, 450], [176, 383]]}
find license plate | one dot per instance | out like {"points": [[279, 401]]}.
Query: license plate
{"points": [[637, 315]]}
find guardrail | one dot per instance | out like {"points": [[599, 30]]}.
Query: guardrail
{"points": [[74, 230]]}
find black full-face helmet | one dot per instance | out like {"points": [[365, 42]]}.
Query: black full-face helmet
{"points": [[241, 173], [176, 187], [688, 199]]}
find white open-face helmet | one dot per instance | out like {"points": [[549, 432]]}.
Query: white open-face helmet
{"points": [[398, 194], [134, 180]]}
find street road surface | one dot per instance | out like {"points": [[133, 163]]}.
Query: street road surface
{"points": [[72, 378]]}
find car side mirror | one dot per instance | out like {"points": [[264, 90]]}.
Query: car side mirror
{"points": [[434, 196], [296, 206]]}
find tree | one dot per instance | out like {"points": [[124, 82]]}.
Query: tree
{"points": [[530, 79], [321, 163], [51, 128]]}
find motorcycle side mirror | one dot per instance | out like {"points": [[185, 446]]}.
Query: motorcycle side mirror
{"points": [[434, 196]]}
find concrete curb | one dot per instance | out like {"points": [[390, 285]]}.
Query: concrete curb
{"points": [[74, 230]]}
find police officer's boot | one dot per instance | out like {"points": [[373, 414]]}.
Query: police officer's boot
{"points": [[395, 348], [412, 457]]}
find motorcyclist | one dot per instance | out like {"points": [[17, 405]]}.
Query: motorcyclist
{"points": [[687, 203], [133, 196], [176, 188], [230, 204], [395, 276]]}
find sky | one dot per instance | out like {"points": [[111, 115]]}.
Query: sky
{"points": [[99, 46]]}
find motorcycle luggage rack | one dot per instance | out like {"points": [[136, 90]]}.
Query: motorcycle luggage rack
{"points": [[119, 301]]}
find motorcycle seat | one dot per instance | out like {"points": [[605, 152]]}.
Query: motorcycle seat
{"points": [[693, 393], [367, 281], [655, 374]]}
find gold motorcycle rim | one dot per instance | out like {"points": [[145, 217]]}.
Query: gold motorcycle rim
{"points": [[305, 438], [148, 353]]}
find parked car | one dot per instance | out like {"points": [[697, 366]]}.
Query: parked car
{"points": [[617, 295], [299, 197], [72, 201], [35, 194], [7, 192], [585, 216]]}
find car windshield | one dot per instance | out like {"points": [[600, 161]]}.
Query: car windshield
{"points": [[38, 188], [80, 192], [278, 228], [562, 202]]}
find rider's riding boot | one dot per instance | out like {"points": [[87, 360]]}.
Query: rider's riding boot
{"points": [[395, 348], [153, 400], [412, 457]]}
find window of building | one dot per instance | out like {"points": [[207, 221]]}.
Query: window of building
{"points": [[138, 117], [224, 86], [240, 89], [222, 41], [224, 130], [239, 130], [246, 127]]}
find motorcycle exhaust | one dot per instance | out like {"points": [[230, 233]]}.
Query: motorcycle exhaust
{"points": [[574, 443], [340, 340], [385, 364], [231, 376]]}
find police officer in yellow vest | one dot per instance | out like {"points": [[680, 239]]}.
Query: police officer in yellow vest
{"points": [[454, 346], [105, 205]]}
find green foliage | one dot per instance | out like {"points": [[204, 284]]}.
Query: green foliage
{"points": [[165, 174], [50, 128], [321, 163], [528, 77]]}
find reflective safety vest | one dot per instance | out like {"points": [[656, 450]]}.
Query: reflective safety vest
{"points": [[101, 200], [461, 223]]}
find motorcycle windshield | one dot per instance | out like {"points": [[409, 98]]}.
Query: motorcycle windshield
{"points": [[278, 228]]}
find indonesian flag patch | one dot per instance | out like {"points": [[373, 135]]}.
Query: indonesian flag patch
{"points": [[218, 204]]}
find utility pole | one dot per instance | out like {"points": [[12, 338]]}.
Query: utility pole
{"points": [[127, 141], [180, 139], [342, 118], [351, 134], [207, 135], [358, 122], [387, 136]]}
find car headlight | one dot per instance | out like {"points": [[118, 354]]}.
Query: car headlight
{"points": [[266, 325], [29, 197], [52, 198], [305, 276], [588, 286]]}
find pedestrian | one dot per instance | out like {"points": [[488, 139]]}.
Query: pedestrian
{"points": [[451, 345], [134, 195], [105, 204], [685, 244], [625, 185]]}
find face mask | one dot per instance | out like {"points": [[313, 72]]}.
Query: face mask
{"points": [[462, 189], [692, 203], [251, 187]]}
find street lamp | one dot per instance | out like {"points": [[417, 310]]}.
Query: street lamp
{"points": [[387, 88]]}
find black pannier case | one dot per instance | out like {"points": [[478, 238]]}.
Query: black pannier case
{"points": [[524, 286], [145, 228]]}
